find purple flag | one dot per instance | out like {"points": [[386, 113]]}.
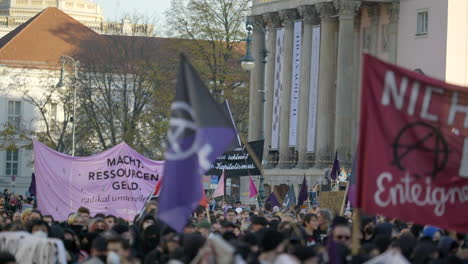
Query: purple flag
{"points": [[199, 132], [303, 194], [32, 186], [273, 200], [336, 168]]}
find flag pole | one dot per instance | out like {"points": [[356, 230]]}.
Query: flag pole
{"points": [[355, 243], [256, 162]]}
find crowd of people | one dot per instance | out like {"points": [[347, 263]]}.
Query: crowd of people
{"points": [[255, 235]]}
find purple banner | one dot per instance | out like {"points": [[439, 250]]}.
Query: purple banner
{"points": [[116, 181]]}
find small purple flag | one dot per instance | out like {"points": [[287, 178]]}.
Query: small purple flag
{"points": [[336, 168], [32, 186], [303, 194], [273, 200], [199, 131]]}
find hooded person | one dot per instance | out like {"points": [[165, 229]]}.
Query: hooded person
{"points": [[150, 239]]}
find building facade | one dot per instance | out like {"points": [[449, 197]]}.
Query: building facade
{"points": [[13, 13], [304, 101]]}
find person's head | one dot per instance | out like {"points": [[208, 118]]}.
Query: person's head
{"points": [[118, 245], [35, 215], [431, 232], [124, 232], [324, 217], [245, 215], [368, 226], [75, 220], [110, 220], [7, 258], [271, 241], [237, 204], [25, 215], [147, 221], [85, 213], [268, 206], [98, 225], [99, 248], [170, 242], [230, 215], [342, 234], [151, 206], [310, 222], [425, 252], [17, 217], [48, 219], [204, 228], [39, 228], [258, 223], [189, 228]]}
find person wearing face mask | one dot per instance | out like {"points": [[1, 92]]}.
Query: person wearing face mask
{"points": [[75, 222], [150, 239], [39, 228], [98, 226], [147, 221]]}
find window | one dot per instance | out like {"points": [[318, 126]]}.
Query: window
{"points": [[422, 22], [53, 111], [11, 167], [14, 114]]}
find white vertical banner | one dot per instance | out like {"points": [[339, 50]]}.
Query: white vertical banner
{"points": [[277, 88], [314, 80], [295, 83]]}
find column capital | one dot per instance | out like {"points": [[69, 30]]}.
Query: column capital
{"points": [[393, 11], [288, 15], [346, 7], [308, 14], [272, 20], [325, 10], [373, 11]]}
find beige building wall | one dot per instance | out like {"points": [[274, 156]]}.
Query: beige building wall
{"points": [[457, 45], [427, 52]]}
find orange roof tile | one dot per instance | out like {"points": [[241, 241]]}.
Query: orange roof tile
{"points": [[43, 39]]}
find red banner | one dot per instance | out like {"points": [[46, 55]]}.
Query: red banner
{"points": [[413, 147]]}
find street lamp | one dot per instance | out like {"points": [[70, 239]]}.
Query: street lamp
{"points": [[248, 64], [63, 89], [248, 61]]}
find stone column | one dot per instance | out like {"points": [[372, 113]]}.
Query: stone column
{"points": [[326, 89], [356, 84], [394, 12], [374, 14], [257, 84], [310, 18], [345, 77], [288, 16], [272, 22]]}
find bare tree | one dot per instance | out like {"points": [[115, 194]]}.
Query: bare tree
{"points": [[124, 92], [216, 31]]}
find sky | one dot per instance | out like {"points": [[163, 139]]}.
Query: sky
{"points": [[114, 10]]}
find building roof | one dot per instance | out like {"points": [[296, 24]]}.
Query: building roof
{"points": [[43, 39]]}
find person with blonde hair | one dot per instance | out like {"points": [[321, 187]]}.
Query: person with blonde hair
{"points": [[25, 215]]}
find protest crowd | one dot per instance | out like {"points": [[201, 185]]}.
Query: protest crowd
{"points": [[231, 234]]}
